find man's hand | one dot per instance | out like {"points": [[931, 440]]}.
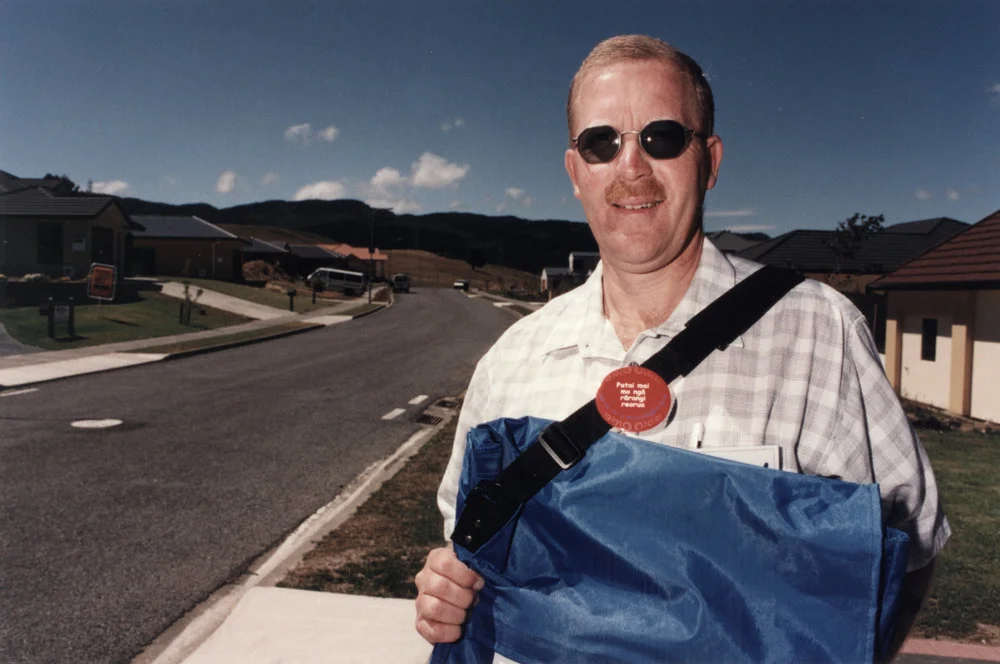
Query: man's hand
{"points": [[446, 588]]}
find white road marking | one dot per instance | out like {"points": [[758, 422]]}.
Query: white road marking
{"points": [[394, 413], [16, 392], [417, 400], [96, 424]]}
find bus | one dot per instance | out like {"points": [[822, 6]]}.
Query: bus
{"points": [[346, 281]]}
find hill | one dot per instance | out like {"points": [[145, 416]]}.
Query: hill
{"points": [[508, 241]]}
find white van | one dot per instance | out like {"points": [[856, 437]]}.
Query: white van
{"points": [[346, 281]]}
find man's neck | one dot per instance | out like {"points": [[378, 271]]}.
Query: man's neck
{"points": [[636, 302]]}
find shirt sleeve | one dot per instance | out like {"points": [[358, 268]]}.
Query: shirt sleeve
{"points": [[872, 430], [475, 411]]}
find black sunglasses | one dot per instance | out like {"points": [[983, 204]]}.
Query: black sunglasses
{"points": [[660, 139]]}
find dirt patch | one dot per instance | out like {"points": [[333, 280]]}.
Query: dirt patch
{"points": [[923, 416]]}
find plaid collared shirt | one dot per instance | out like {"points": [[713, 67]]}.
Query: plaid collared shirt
{"points": [[806, 377]]}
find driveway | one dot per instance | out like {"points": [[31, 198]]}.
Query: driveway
{"points": [[10, 346]]}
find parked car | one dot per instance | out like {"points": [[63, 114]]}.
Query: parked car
{"points": [[462, 284], [346, 281], [401, 283]]}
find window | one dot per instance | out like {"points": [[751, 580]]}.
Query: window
{"points": [[928, 340], [50, 244]]}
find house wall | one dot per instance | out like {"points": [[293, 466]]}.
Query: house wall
{"points": [[193, 258], [985, 398], [946, 381], [19, 244]]}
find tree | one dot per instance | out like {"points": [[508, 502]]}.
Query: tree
{"points": [[850, 236]]}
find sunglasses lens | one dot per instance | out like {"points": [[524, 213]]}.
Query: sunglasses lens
{"points": [[664, 139], [598, 145]]}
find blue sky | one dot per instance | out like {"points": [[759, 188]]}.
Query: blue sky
{"points": [[826, 108]]}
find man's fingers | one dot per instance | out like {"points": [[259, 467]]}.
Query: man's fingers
{"points": [[446, 563], [438, 633], [430, 583], [436, 610]]}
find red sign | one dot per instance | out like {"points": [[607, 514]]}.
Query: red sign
{"points": [[101, 285], [633, 399]]}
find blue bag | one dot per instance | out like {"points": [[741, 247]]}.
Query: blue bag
{"points": [[646, 553]]}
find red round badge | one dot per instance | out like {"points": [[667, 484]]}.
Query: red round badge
{"points": [[633, 399]]}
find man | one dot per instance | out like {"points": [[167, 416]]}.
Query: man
{"points": [[807, 378]]}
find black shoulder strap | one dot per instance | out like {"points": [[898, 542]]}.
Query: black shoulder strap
{"points": [[561, 445]]}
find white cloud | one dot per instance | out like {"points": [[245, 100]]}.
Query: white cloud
{"points": [[399, 206], [994, 89], [952, 194], [226, 183], [386, 179], [527, 201], [922, 194], [270, 178], [110, 187], [502, 208], [750, 228], [329, 134], [743, 212], [434, 172], [454, 205], [515, 193], [452, 124], [326, 190], [299, 134]]}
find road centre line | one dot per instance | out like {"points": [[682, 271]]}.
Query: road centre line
{"points": [[394, 413], [417, 400], [13, 393]]}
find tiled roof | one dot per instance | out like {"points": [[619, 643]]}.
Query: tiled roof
{"points": [[10, 182], [42, 202], [810, 251], [968, 260], [357, 252], [258, 246], [311, 251], [179, 228], [728, 241]]}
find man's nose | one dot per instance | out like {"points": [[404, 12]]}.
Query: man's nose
{"points": [[632, 159]]}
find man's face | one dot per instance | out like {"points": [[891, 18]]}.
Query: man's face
{"points": [[644, 212]]}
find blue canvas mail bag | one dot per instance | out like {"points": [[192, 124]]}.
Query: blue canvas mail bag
{"points": [[646, 553], [599, 547]]}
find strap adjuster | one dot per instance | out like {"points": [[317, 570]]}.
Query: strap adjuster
{"points": [[560, 446]]}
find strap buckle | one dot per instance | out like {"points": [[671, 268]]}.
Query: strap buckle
{"points": [[560, 446]]}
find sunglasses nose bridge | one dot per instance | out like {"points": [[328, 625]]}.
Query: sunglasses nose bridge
{"points": [[632, 157]]}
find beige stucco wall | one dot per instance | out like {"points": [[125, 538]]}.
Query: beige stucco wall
{"points": [[986, 357], [922, 380]]}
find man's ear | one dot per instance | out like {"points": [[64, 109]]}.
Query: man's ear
{"points": [[571, 166], [714, 146]]}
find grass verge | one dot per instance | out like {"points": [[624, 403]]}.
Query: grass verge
{"points": [[227, 339], [379, 550], [965, 598], [153, 315], [303, 300]]}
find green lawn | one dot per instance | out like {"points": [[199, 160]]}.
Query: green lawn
{"points": [[154, 315], [303, 300], [966, 589]]}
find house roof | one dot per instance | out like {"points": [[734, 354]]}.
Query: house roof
{"points": [[730, 242], [810, 251], [258, 246], [38, 201], [358, 252], [311, 251], [188, 227], [10, 182], [556, 271], [968, 260]]}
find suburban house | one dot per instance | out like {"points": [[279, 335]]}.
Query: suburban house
{"points": [[357, 259], [730, 243], [302, 259], [185, 246], [555, 280], [261, 250], [558, 280], [943, 323], [47, 226], [811, 252]]}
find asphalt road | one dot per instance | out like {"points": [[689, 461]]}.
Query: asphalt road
{"points": [[107, 537]]}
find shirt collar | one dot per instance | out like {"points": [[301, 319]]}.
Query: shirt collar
{"points": [[583, 324]]}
